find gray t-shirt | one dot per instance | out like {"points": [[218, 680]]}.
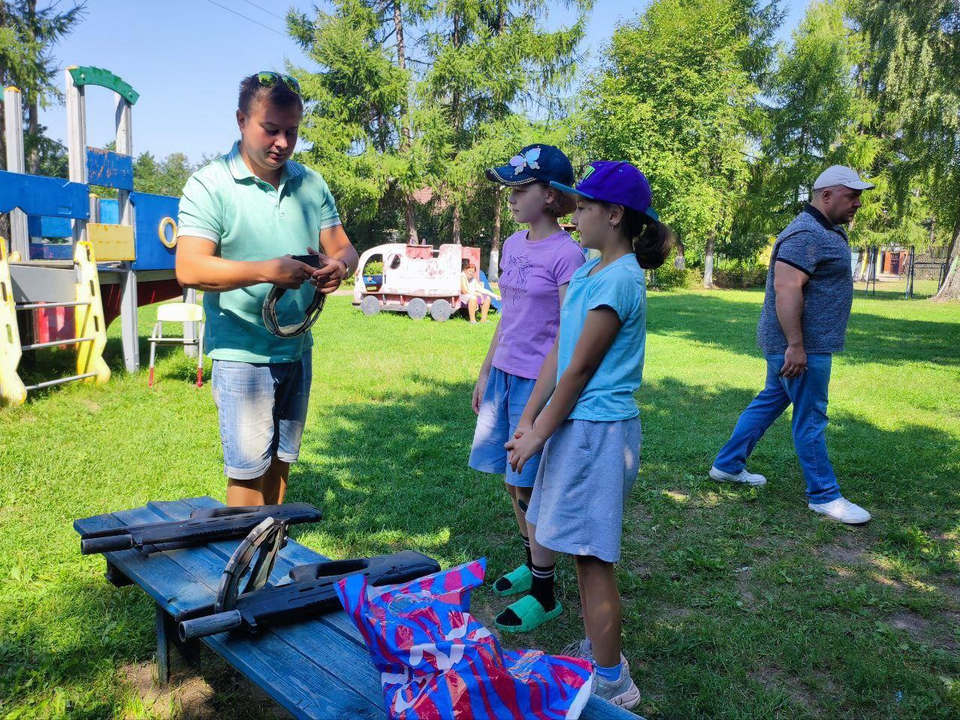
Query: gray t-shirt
{"points": [[815, 246]]}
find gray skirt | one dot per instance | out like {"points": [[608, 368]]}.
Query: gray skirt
{"points": [[586, 472]]}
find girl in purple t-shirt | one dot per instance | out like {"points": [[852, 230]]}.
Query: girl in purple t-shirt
{"points": [[536, 266]]}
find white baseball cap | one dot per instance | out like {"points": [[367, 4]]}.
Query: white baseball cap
{"points": [[840, 175]]}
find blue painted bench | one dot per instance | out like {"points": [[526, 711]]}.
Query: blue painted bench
{"points": [[317, 669]]}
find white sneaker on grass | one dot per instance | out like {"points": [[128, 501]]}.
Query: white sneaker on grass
{"points": [[583, 650], [623, 691], [843, 510], [743, 477]]}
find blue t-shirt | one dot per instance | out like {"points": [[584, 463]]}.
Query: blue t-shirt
{"points": [[620, 286]]}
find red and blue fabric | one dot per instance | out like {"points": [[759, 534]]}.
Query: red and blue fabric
{"points": [[437, 662]]}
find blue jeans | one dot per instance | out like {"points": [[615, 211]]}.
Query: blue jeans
{"points": [[262, 409], [808, 393], [503, 402]]}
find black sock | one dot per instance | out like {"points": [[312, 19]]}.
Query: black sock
{"points": [[502, 584], [542, 588]]}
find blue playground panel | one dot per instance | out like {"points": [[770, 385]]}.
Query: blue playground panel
{"points": [[150, 213], [48, 227], [109, 169], [109, 211], [45, 196], [494, 303], [50, 251]]}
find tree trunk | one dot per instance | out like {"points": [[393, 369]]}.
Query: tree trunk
{"points": [[456, 221], [410, 215], [493, 272], [951, 286], [33, 129], [708, 262], [406, 134], [680, 261]]}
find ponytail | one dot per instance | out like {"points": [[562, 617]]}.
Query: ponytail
{"points": [[652, 240]]}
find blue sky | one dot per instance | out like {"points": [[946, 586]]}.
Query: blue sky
{"points": [[186, 57]]}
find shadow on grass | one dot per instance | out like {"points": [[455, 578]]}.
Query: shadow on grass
{"points": [[710, 638], [722, 323], [101, 640]]}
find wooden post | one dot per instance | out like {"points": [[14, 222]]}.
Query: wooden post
{"points": [[129, 331], [76, 143], [13, 118]]}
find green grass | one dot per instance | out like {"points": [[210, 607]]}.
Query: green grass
{"points": [[738, 603]]}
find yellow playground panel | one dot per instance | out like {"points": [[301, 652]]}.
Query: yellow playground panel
{"points": [[91, 328]]}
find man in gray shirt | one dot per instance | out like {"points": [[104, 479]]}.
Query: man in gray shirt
{"points": [[802, 324]]}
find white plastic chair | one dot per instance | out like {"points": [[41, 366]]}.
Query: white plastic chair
{"points": [[182, 313]]}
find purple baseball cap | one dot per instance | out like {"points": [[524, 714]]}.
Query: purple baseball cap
{"points": [[619, 183]]}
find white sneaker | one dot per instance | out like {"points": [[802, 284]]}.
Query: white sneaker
{"points": [[743, 477], [583, 649], [623, 691], [843, 510]]}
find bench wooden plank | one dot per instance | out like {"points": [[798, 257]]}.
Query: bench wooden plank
{"points": [[298, 682]]}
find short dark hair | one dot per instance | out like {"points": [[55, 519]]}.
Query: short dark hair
{"points": [[652, 240], [252, 92]]}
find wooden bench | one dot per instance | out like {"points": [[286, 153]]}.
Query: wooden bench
{"points": [[314, 669]]}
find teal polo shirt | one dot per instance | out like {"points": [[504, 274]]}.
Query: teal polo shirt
{"points": [[248, 219]]}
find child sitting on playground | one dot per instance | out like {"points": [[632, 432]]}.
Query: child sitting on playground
{"points": [[589, 434], [473, 294], [536, 266]]}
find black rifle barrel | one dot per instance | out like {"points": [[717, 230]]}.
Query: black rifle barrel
{"points": [[209, 625], [111, 543], [313, 594], [207, 525]]}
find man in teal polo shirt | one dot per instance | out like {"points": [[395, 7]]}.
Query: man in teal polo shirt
{"points": [[241, 218]]}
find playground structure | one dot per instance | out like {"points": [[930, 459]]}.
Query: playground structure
{"points": [[873, 264], [109, 257], [416, 279]]}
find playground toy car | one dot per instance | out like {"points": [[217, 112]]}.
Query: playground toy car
{"points": [[416, 279]]}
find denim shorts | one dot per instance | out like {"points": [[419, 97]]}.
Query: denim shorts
{"points": [[503, 401], [587, 472], [262, 408]]}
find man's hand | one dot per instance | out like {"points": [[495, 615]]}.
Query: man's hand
{"points": [[331, 274], [526, 443], [794, 361], [287, 273]]}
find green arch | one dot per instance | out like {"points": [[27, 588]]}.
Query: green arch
{"points": [[89, 75]]}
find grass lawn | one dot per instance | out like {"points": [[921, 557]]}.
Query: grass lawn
{"points": [[738, 603]]}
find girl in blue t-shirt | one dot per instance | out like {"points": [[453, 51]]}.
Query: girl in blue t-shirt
{"points": [[589, 433]]}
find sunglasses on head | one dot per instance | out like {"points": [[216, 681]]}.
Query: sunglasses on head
{"points": [[268, 79]]}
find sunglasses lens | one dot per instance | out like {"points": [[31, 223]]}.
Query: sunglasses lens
{"points": [[291, 83], [267, 79]]}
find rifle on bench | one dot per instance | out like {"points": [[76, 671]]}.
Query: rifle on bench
{"points": [[203, 526], [311, 590]]}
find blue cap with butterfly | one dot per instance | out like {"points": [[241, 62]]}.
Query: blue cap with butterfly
{"points": [[535, 163]]}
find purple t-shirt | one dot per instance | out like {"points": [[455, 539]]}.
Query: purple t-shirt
{"points": [[530, 276]]}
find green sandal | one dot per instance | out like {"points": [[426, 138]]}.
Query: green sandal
{"points": [[531, 614], [521, 580]]}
